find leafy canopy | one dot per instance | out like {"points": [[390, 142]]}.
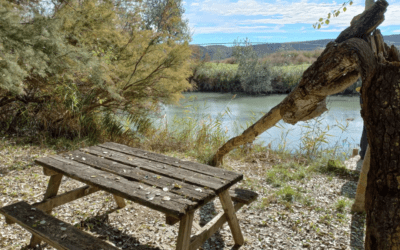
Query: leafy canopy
{"points": [[88, 67]]}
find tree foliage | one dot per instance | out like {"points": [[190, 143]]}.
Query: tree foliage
{"points": [[154, 16], [254, 77], [335, 13], [78, 72]]}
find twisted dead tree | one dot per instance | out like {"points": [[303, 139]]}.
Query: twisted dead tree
{"points": [[354, 53], [338, 67]]}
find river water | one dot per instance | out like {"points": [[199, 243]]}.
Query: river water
{"points": [[243, 107]]}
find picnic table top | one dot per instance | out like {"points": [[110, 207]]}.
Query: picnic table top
{"points": [[160, 182]]}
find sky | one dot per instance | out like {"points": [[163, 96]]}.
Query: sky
{"points": [[265, 21]]}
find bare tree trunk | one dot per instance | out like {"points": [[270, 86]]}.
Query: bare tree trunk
{"points": [[381, 113]]}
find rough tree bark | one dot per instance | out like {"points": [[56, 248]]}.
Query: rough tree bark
{"points": [[338, 67], [381, 114]]}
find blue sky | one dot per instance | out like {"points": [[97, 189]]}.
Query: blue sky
{"points": [[223, 21]]}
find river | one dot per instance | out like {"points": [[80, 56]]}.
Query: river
{"points": [[241, 107]]}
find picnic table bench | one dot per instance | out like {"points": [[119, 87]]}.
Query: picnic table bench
{"points": [[169, 185]]}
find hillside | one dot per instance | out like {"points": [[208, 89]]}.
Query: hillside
{"points": [[262, 49]]}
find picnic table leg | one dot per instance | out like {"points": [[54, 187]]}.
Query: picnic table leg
{"points": [[185, 228], [52, 189], [229, 210], [120, 201]]}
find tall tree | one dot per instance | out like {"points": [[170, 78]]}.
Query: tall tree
{"points": [[354, 53], [76, 72], [156, 12]]}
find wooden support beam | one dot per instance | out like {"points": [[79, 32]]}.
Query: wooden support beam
{"points": [[197, 226], [171, 220], [120, 201], [185, 228], [230, 215], [49, 172], [52, 190], [50, 203], [210, 228]]}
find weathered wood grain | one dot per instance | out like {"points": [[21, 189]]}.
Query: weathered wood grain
{"points": [[185, 229], [243, 196], [119, 200], [230, 215], [210, 228], [184, 175], [146, 177], [52, 230], [367, 22], [51, 191], [141, 193], [193, 166], [48, 204]]}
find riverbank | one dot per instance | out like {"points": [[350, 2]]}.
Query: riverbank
{"points": [[304, 200], [276, 73]]}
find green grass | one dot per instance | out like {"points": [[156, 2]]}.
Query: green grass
{"points": [[342, 204], [279, 174]]}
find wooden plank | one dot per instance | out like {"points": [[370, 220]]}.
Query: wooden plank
{"points": [[193, 166], [210, 228], [197, 226], [229, 210], [52, 230], [243, 196], [162, 169], [51, 191], [175, 206], [64, 198], [120, 201], [185, 228], [190, 191]]}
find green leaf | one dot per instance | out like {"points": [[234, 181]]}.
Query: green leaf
{"points": [[337, 13], [321, 19], [351, 2], [344, 9], [319, 26], [327, 21], [313, 26], [329, 15]]}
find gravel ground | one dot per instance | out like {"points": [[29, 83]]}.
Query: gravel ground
{"points": [[267, 223]]}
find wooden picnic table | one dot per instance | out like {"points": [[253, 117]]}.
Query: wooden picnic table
{"points": [[166, 184]]}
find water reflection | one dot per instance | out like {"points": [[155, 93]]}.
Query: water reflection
{"points": [[340, 108]]}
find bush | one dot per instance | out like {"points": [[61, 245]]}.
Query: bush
{"points": [[254, 77]]}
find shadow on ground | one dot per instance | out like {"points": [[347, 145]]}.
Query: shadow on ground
{"points": [[357, 220]]}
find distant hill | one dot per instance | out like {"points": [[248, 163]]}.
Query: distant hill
{"points": [[262, 49]]}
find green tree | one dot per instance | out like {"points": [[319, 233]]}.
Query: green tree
{"points": [[156, 12], [76, 73], [254, 77], [218, 55]]}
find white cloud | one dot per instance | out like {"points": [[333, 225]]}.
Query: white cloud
{"points": [[280, 12], [235, 29], [195, 4]]}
